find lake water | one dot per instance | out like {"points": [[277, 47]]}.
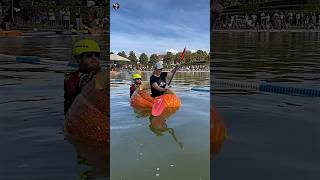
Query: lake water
{"points": [[180, 152], [32, 144], [270, 136]]}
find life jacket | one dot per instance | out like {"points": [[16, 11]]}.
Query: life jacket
{"points": [[73, 84], [133, 87]]}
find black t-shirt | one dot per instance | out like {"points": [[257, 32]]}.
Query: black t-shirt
{"points": [[161, 81]]}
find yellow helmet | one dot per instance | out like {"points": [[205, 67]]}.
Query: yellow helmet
{"points": [[136, 76], [85, 45]]}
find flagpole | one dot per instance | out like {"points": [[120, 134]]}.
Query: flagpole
{"points": [[12, 10], [176, 68]]}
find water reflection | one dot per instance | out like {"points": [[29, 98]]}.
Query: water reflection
{"points": [[273, 57], [262, 126], [158, 124], [218, 132], [96, 156]]}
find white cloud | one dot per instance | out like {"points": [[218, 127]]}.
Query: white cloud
{"points": [[193, 51], [150, 44], [172, 50]]}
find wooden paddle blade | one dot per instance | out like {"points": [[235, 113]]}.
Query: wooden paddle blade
{"points": [[158, 106]]}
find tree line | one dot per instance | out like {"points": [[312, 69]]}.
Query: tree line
{"points": [[169, 59]]}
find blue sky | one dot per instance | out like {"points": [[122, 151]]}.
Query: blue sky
{"points": [[157, 26]]}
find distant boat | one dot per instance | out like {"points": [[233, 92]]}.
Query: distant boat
{"points": [[11, 33]]}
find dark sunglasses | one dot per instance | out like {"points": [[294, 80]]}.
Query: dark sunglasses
{"points": [[138, 79], [90, 55], [160, 69]]}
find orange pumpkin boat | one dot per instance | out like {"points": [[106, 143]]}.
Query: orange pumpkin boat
{"points": [[88, 117], [142, 98]]}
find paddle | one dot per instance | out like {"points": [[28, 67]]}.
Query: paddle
{"points": [[159, 103]]}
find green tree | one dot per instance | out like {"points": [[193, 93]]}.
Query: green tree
{"points": [[133, 58], [153, 59], [143, 59], [206, 57], [177, 57], [123, 54], [188, 58], [169, 58], [201, 56]]}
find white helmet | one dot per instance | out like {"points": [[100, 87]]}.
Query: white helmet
{"points": [[158, 65]]}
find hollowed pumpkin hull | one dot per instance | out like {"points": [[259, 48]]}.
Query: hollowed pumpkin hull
{"points": [[88, 117], [143, 99]]}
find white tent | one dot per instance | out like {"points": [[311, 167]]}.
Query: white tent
{"points": [[114, 57]]}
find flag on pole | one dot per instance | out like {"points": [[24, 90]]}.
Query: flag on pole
{"points": [[182, 54]]}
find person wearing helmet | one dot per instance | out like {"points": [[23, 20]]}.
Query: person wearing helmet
{"points": [[87, 53], [136, 79], [159, 79]]}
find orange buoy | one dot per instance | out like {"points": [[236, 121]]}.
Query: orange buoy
{"points": [[218, 132], [88, 116]]}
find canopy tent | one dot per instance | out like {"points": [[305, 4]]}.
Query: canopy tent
{"points": [[114, 57]]}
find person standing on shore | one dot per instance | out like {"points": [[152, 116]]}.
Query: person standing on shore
{"points": [[290, 18], [314, 20], [232, 22], [61, 14], [66, 19], [78, 21], [298, 19], [319, 21], [254, 18], [268, 21], [51, 17]]}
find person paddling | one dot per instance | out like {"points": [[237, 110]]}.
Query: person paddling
{"points": [[87, 53], [136, 79], [159, 80]]}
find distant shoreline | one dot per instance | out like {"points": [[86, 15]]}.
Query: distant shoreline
{"points": [[152, 71], [265, 30]]}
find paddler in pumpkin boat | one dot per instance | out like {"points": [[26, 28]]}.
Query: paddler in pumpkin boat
{"points": [[136, 83], [156, 92], [87, 96]]}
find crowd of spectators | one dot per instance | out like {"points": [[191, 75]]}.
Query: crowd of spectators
{"points": [[53, 17], [270, 20], [129, 67]]}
